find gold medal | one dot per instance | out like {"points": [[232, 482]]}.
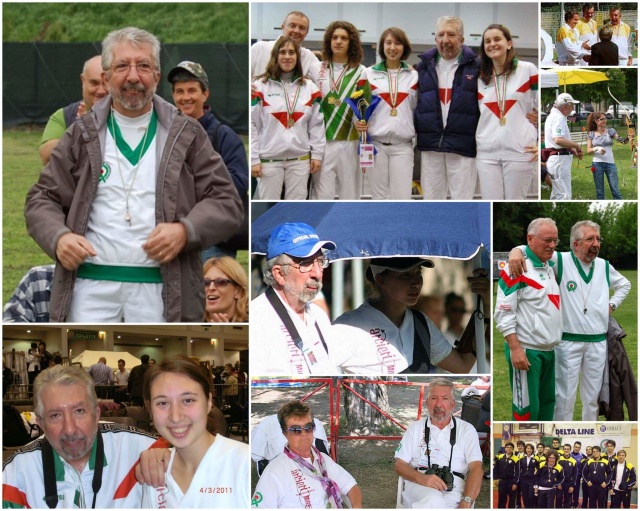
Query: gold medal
{"points": [[331, 100], [503, 121], [393, 112], [337, 101], [290, 122]]}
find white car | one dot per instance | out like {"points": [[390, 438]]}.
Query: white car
{"points": [[623, 109]]}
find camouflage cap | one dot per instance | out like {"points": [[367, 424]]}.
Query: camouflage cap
{"points": [[192, 68]]}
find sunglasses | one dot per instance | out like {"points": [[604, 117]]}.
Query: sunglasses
{"points": [[297, 430], [221, 283]]}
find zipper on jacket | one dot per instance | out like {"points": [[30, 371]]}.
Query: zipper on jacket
{"points": [[166, 165], [441, 137]]}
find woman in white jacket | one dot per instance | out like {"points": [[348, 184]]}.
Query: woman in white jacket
{"points": [[507, 91], [287, 128], [391, 126]]}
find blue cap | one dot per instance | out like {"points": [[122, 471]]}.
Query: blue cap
{"points": [[296, 239], [398, 264]]}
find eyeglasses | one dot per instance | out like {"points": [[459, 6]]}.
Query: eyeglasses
{"points": [[297, 430], [548, 241], [306, 265], [591, 239], [143, 68], [219, 283]]}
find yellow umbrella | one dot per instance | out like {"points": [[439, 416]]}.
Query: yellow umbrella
{"points": [[578, 76]]}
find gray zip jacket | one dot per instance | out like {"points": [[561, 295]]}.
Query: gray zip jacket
{"points": [[193, 187]]}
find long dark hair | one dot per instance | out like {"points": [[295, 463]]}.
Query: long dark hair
{"points": [[273, 71], [355, 53], [591, 120], [486, 64]]}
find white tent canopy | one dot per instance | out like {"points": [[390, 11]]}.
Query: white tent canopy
{"points": [[87, 358], [548, 79]]}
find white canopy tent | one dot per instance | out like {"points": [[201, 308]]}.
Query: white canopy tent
{"points": [[548, 79], [87, 358]]}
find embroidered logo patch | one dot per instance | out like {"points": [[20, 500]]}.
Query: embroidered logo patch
{"points": [[105, 172], [571, 286], [257, 498]]}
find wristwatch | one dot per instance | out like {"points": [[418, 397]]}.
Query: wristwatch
{"points": [[468, 499], [613, 306]]}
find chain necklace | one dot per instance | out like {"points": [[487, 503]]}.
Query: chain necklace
{"points": [[127, 191]]}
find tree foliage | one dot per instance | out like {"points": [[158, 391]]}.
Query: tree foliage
{"points": [[618, 226], [89, 22]]}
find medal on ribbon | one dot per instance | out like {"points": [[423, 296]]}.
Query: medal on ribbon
{"points": [[291, 105]]}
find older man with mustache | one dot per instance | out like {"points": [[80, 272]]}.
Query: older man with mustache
{"points": [[293, 332], [584, 280], [79, 462], [132, 193], [439, 457]]}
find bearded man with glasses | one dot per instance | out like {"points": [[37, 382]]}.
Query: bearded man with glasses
{"points": [[584, 280], [131, 195], [302, 477], [289, 334]]}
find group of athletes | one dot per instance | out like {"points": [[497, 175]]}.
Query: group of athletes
{"points": [[552, 476]]}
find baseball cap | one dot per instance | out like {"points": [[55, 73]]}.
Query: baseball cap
{"points": [[192, 68], [565, 99], [296, 239], [399, 264]]}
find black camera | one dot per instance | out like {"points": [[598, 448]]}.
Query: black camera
{"points": [[443, 473]]}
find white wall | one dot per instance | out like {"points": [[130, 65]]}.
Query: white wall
{"points": [[418, 20]]}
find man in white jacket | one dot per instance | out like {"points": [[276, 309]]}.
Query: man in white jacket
{"points": [[528, 315]]}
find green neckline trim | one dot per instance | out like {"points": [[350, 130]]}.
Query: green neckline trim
{"points": [[583, 276], [133, 156], [537, 263], [382, 66]]}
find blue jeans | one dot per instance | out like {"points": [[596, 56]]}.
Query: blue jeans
{"points": [[610, 170]]}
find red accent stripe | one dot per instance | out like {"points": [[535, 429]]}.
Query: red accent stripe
{"points": [[527, 85], [129, 480], [14, 495], [314, 96], [361, 83], [524, 417], [415, 86], [445, 95], [555, 299], [512, 282]]}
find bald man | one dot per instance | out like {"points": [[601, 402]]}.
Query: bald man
{"points": [[93, 90]]}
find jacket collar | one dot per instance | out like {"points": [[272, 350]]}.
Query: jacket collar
{"points": [[382, 66], [466, 55], [535, 260], [165, 111]]}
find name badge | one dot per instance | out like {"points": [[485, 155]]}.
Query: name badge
{"points": [[366, 155]]}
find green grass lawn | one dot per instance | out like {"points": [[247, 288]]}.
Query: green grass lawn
{"points": [[21, 168], [582, 185], [627, 316]]}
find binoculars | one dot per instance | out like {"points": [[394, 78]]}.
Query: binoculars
{"points": [[443, 473]]}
